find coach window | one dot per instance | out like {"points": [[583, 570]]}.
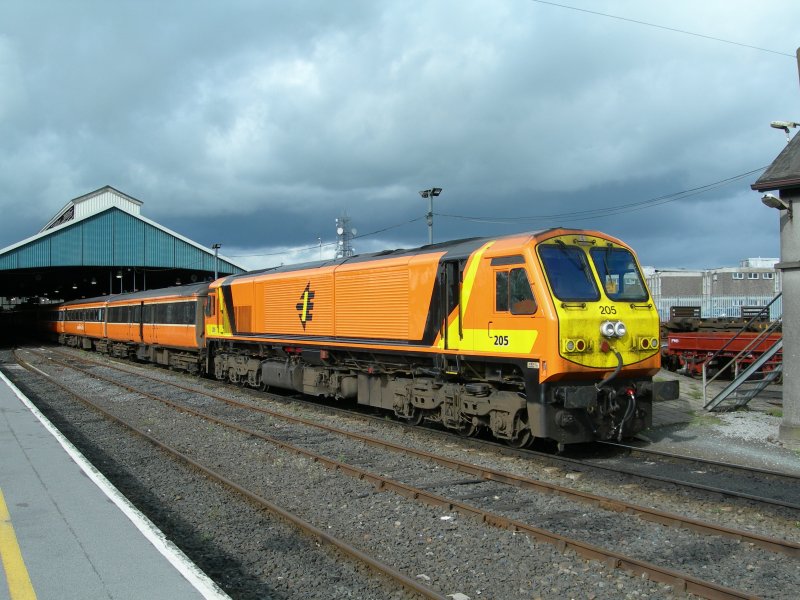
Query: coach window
{"points": [[513, 293]]}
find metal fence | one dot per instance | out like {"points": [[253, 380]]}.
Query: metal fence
{"points": [[717, 306]]}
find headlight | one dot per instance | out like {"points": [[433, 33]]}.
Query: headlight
{"points": [[611, 329], [607, 329]]}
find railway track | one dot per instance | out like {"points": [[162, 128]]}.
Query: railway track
{"points": [[304, 526], [488, 488], [483, 473], [723, 479], [717, 476]]}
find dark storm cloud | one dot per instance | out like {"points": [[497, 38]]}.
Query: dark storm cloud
{"points": [[256, 124]]}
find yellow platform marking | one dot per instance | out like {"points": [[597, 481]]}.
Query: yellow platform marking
{"points": [[19, 584]]}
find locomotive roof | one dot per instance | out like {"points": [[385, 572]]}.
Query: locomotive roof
{"points": [[182, 291], [454, 250]]}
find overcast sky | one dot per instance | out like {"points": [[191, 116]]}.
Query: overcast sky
{"points": [[255, 124]]}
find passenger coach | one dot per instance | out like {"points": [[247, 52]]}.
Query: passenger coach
{"points": [[162, 326]]}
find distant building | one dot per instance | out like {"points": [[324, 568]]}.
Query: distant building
{"points": [[718, 292]]}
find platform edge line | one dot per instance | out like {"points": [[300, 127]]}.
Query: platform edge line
{"points": [[174, 555]]}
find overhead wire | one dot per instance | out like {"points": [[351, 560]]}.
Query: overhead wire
{"points": [[596, 213], [573, 215], [673, 29]]}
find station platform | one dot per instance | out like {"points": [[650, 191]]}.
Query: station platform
{"points": [[66, 532]]}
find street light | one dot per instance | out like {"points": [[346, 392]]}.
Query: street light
{"points": [[778, 203], [216, 248], [430, 194], [785, 125]]}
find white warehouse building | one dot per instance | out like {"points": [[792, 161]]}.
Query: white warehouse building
{"points": [[721, 292]]}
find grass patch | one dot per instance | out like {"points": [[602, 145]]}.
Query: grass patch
{"points": [[703, 420], [775, 412]]}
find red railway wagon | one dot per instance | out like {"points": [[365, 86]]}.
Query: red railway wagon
{"points": [[692, 349]]}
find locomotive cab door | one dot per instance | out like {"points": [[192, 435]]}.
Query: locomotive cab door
{"points": [[503, 311], [450, 278]]}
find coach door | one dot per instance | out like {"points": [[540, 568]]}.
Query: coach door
{"points": [[211, 315], [141, 321]]}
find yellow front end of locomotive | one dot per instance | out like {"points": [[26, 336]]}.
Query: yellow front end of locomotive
{"points": [[606, 317]]}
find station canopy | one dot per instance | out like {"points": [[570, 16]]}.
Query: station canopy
{"points": [[100, 244]]}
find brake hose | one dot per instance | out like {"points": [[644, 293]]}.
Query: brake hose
{"points": [[611, 377]]}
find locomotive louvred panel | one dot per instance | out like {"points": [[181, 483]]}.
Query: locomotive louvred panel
{"points": [[299, 305], [243, 318], [373, 304]]}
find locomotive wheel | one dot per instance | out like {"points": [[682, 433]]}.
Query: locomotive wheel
{"points": [[415, 418], [467, 429], [522, 440]]}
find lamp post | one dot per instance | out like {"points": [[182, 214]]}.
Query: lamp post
{"points": [[429, 194], [216, 248]]}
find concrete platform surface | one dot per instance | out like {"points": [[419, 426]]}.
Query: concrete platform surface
{"points": [[749, 436], [66, 532]]}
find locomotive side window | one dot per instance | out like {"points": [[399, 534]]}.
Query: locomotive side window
{"points": [[619, 274], [568, 272], [522, 300], [513, 293], [501, 291]]}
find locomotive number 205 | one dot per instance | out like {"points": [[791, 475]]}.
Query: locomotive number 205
{"points": [[501, 340], [608, 310]]}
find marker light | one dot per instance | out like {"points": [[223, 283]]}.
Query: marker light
{"points": [[620, 329], [577, 345]]}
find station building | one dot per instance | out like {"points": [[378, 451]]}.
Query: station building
{"points": [[100, 244]]}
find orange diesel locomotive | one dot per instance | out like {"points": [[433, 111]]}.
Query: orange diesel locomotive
{"points": [[550, 334]]}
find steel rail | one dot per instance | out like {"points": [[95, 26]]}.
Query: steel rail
{"points": [[670, 480], [704, 461], [648, 514], [680, 581], [523, 452], [304, 526]]}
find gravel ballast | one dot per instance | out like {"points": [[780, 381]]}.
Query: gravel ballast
{"points": [[454, 554]]}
